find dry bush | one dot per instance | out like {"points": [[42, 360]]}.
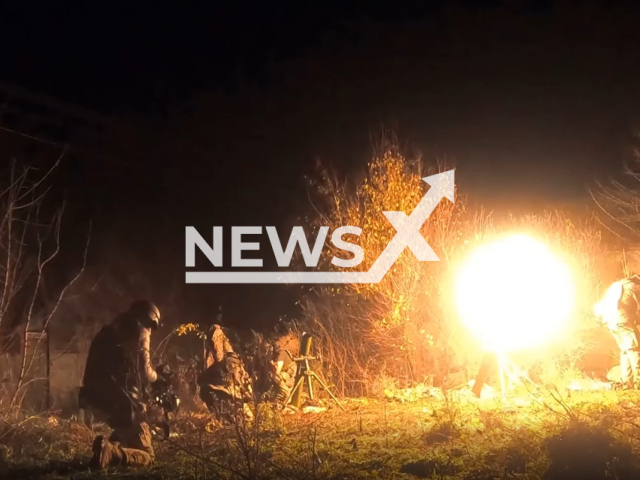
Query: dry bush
{"points": [[619, 202], [30, 295], [406, 327], [618, 207], [401, 326]]}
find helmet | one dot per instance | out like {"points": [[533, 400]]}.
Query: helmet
{"points": [[146, 313]]}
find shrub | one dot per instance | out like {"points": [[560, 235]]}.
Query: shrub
{"points": [[406, 327]]}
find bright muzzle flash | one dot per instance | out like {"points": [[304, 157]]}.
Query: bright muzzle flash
{"points": [[514, 294]]}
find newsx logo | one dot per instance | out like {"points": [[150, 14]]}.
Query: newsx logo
{"points": [[408, 235]]}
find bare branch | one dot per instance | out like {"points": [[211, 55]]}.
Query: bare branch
{"points": [[620, 202], [51, 314]]}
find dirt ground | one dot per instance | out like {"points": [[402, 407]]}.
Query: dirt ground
{"points": [[540, 434]]}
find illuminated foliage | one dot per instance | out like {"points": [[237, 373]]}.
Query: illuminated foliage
{"points": [[407, 327], [397, 325], [190, 328]]}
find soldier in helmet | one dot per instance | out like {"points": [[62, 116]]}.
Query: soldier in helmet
{"points": [[619, 310], [117, 374]]}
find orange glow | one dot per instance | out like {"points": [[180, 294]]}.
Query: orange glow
{"points": [[514, 294]]}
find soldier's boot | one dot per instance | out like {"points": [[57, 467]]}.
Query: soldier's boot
{"points": [[105, 454], [136, 458], [136, 446]]}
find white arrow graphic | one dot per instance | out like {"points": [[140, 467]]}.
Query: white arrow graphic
{"points": [[408, 235]]}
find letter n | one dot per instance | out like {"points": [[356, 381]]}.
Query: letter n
{"points": [[213, 253]]}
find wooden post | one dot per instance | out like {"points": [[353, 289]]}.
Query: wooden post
{"points": [[36, 380]]}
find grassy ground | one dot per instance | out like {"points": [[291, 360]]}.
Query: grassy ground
{"points": [[585, 435]]}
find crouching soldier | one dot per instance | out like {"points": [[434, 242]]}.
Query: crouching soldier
{"points": [[117, 374], [225, 387], [283, 366], [619, 310]]}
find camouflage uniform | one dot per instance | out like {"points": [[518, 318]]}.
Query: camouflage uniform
{"points": [[283, 366], [117, 373], [225, 386], [218, 348], [620, 310]]}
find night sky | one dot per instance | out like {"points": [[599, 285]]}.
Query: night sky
{"points": [[232, 105]]}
